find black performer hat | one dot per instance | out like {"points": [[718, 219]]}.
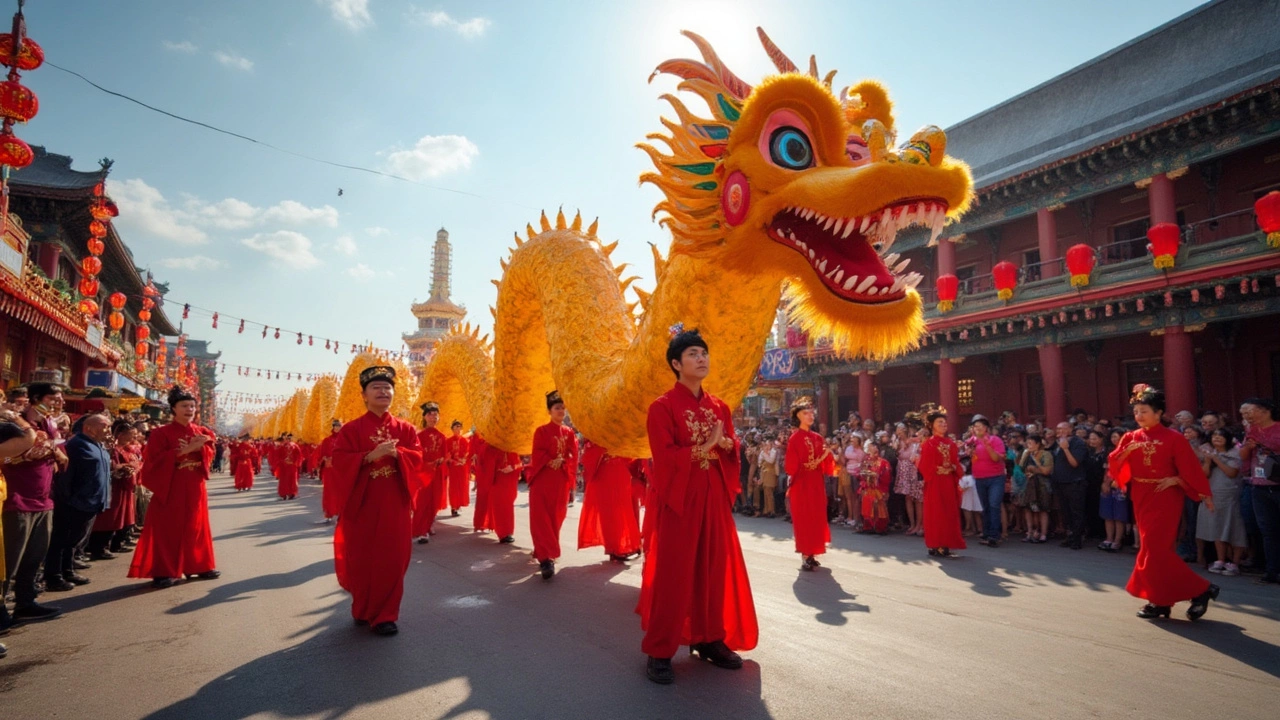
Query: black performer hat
{"points": [[454, 424], [553, 399], [804, 403], [1147, 395], [177, 395], [430, 406], [377, 372]]}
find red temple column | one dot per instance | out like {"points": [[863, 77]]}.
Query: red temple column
{"points": [[824, 409], [27, 364], [1055, 383], [949, 389], [1161, 201], [1179, 371], [48, 259], [79, 370], [867, 394], [946, 257], [1047, 234]]}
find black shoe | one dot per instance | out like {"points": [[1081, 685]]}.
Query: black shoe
{"points": [[547, 568], [210, 575], [79, 564], [161, 583], [454, 513], [385, 629], [1064, 544], [58, 584], [361, 623], [1268, 580], [1200, 603], [718, 654], [659, 670], [507, 540], [1151, 612], [1076, 545], [103, 555], [3, 651], [424, 540], [35, 612], [76, 579], [809, 563]]}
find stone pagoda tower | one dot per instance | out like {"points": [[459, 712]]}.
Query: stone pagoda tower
{"points": [[438, 314]]}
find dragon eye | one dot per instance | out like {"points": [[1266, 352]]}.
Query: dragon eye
{"points": [[789, 148]]}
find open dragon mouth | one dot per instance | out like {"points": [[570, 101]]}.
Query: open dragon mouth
{"points": [[849, 254]]}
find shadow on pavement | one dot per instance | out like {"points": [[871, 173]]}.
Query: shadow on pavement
{"points": [[822, 591], [1230, 640], [221, 591], [979, 574]]}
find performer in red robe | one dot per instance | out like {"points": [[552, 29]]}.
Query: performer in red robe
{"points": [[608, 516], [289, 456], [695, 589], [377, 462], [481, 520], [110, 527], [505, 468], [176, 538], [939, 465], [244, 464], [429, 497], [876, 478], [809, 461], [553, 470], [1159, 469], [456, 449], [323, 458], [273, 457]]}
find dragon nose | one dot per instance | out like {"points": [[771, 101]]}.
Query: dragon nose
{"points": [[879, 141], [927, 147]]}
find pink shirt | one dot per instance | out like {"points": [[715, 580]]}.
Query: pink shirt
{"points": [[1268, 439], [982, 464]]}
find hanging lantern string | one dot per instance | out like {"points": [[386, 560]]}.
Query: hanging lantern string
{"points": [[271, 373], [299, 337]]}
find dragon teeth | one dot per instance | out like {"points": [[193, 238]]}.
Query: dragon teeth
{"points": [[839, 275], [897, 269], [912, 280], [848, 230], [867, 283], [853, 280], [865, 222], [812, 254], [891, 258], [822, 265], [835, 229], [827, 226]]}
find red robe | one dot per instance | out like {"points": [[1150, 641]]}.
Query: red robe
{"points": [[429, 495], [808, 463], [289, 456], [608, 516], [481, 519], [505, 468], [875, 480], [373, 502], [695, 587], [273, 457], [939, 465], [244, 465], [124, 479], [176, 538], [324, 456], [549, 486], [456, 449], [1141, 460]]}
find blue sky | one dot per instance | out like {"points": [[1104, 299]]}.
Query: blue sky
{"points": [[529, 105]]}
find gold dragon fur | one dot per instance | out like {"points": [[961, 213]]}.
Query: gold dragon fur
{"points": [[752, 194]]}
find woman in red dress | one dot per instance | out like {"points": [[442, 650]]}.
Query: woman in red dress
{"points": [[809, 461], [1159, 469], [939, 465]]}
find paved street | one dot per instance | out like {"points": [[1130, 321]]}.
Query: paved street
{"points": [[880, 631]]}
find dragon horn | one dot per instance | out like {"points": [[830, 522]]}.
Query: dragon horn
{"points": [[546, 224], [780, 60], [577, 222], [560, 221], [595, 225], [734, 84], [813, 66]]}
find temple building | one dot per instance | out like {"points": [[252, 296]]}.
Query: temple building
{"points": [[439, 313], [1180, 126]]}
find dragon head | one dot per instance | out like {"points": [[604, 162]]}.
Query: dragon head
{"points": [[789, 179]]}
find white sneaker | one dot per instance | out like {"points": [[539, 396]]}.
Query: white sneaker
{"points": [[1217, 567], [1231, 569]]}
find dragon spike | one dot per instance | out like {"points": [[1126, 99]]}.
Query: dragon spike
{"points": [[560, 221], [813, 66], [519, 242], [631, 308], [644, 297], [659, 265], [780, 60], [734, 84], [496, 283], [493, 311], [618, 270], [546, 224], [475, 331], [577, 222], [608, 249], [528, 229], [485, 340], [830, 77], [504, 265], [627, 283], [595, 225]]}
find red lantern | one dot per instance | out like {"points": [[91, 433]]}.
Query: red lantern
{"points": [[139, 365], [96, 246], [89, 307], [115, 320], [1164, 239], [1080, 262], [13, 151], [150, 290], [98, 229], [91, 266], [17, 102], [144, 315], [148, 303], [103, 210], [948, 286], [140, 349], [30, 55], [88, 287], [143, 332], [117, 300], [1267, 208], [1006, 279]]}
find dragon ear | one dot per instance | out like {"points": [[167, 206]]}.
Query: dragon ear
{"points": [[865, 101]]}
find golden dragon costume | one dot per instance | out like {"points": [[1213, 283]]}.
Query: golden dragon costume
{"points": [[785, 187]]}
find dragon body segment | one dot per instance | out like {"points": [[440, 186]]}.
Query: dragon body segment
{"points": [[785, 186]]}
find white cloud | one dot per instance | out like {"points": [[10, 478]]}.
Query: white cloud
{"points": [[376, 231], [233, 60], [346, 245], [236, 214], [289, 248], [186, 46], [361, 272], [144, 210], [194, 262], [352, 13], [433, 156], [292, 212], [470, 29]]}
